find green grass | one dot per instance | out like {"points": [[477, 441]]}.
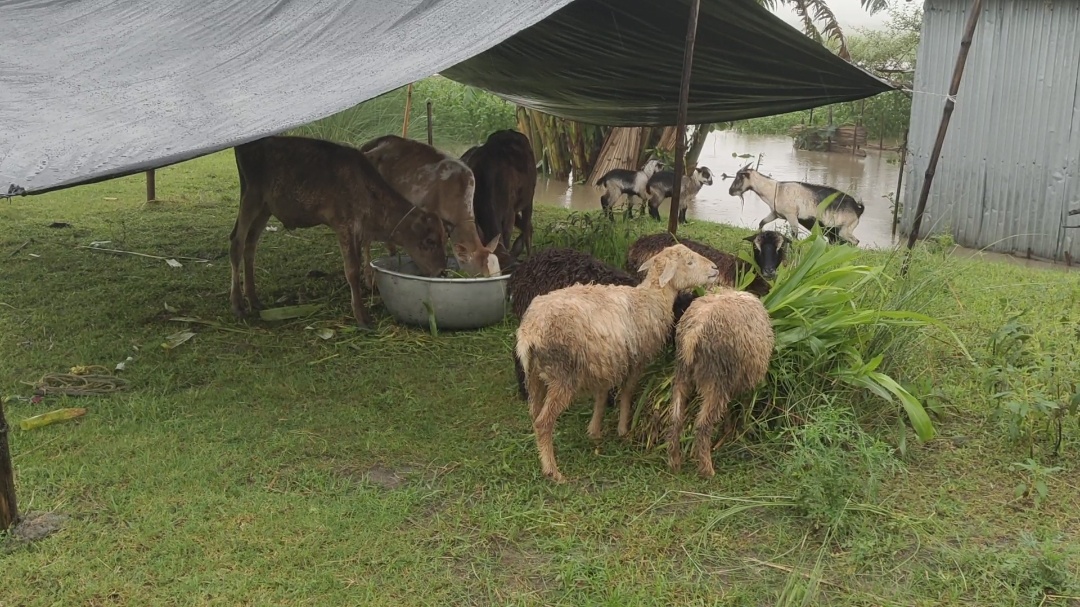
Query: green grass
{"points": [[271, 466]]}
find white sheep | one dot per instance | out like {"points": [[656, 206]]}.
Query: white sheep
{"points": [[598, 337], [723, 344]]}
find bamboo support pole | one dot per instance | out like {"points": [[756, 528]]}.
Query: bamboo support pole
{"points": [[899, 184], [430, 132], [680, 123], [408, 110], [943, 128], [151, 186]]}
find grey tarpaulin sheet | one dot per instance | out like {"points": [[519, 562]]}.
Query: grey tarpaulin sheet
{"points": [[618, 62], [93, 89]]}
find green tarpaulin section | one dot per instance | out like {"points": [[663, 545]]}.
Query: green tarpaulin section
{"points": [[619, 63]]}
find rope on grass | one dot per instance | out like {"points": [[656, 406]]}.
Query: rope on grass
{"points": [[82, 381]]}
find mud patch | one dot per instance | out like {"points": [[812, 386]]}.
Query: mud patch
{"points": [[386, 477], [32, 527]]}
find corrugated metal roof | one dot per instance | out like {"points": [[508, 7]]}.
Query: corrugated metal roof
{"points": [[1010, 167]]}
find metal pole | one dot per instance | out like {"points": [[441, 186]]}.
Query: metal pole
{"points": [[943, 128], [899, 183], [680, 125], [429, 128], [151, 186]]}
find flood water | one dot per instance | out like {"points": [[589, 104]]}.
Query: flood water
{"points": [[871, 179]]}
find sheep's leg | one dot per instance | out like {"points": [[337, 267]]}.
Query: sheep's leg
{"points": [[556, 401], [537, 392], [768, 219], [250, 245], [519, 371], [714, 407], [352, 249], [626, 396], [680, 396], [596, 425]]}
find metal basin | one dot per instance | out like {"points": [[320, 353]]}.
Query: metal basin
{"points": [[457, 303]]}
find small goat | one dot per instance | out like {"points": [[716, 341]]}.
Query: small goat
{"points": [[723, 347], [441, 184], [617, 182], [660, 186], [309, 182], [505, 171], [797, 203], [597, 337]]}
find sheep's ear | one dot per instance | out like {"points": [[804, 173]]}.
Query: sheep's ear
{"points": [[646, 264], [669, 272], [750, 238], [491, 246]]}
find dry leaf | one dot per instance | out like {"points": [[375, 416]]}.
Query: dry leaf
{"points": [[176, 339]]}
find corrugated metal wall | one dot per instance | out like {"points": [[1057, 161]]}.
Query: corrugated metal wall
{"points": [[1010, 167]]}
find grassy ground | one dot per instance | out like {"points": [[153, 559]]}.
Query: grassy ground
{"points": [[260, 464]]}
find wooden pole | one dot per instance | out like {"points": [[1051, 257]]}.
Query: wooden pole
{"points": [[680, 121], [430, 132], [828, 141], [899, 184], [151, 186], [881, 134], [9, 510], [408, 110], [943, 128]]}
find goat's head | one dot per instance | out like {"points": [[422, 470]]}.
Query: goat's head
{"points": [[423, 237], [770, 248], [741, 182], [652, 167], [703, 175], [679, 268]]}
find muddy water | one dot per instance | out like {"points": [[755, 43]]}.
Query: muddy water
{"points": [[871, 179]]}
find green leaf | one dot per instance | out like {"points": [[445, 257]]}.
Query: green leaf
{"points": [[289, 312]]}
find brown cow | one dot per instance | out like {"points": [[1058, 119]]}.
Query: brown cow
{"points": [[440, 184], [308, 182], [505, 171]]}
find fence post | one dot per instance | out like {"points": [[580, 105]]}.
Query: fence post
{"points": [[151, 186], [9, 510]]}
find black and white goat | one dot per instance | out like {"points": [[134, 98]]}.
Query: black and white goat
{"points": [[660, 185], [617, 182], [797, 203]]}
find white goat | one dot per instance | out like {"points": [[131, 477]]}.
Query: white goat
{"points": [[596, 337], [661, 185], [617, 182], [797, 203]]}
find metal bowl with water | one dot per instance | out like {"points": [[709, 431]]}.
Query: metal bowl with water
{"points": [[455, 303]]}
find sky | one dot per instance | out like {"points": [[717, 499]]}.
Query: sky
{"points": [[849, 13]]}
